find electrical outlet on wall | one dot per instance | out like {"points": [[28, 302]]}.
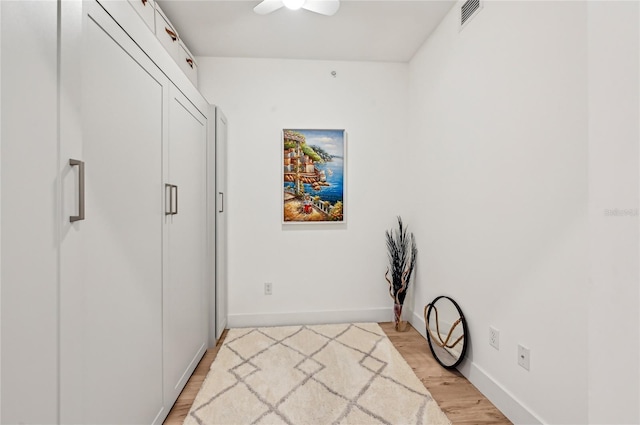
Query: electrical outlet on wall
{"points": [[524, 355], [494, 337], [268, 288]]}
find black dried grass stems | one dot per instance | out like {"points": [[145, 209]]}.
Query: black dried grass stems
{"points": [[402, 254]]}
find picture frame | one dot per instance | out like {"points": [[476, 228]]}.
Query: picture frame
{"points": [[314, 176]]}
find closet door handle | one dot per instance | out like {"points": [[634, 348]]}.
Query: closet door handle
{"points": [[168, 207], [176, 198], [172, 34], [221, 202], [190, 62], [80, 164], [144, 2]]}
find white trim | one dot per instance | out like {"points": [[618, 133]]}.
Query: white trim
{"points": [[509, 405], [375, 315], [0, 210], [211, 223], [220, 309]]}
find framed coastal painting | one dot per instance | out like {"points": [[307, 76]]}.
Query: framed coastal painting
{"points": [[313, 176]]}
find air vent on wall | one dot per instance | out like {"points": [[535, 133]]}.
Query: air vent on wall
{"points": [[468, 10]]}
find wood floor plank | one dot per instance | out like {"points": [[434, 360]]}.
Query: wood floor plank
{"points": [[458, 398]]}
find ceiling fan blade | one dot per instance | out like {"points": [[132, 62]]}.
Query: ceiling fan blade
{"points": [[268, 6], [323, 7]]}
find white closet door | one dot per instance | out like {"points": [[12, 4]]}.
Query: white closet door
{"points": [[29, 244], [111, 262], [221, 223], [185, 293]]}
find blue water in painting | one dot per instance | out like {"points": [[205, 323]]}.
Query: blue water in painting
{"points": [[334, 192]]}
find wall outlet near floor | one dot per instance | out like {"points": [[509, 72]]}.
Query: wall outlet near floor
{"points": [[268, 288], [494, 337], [524, 356]]}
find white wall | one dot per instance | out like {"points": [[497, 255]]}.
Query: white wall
{"points": [[502, 146], [498, 116], [319, 273], [614, 374]]}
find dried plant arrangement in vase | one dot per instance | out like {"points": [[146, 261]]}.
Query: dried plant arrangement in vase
{"points": [[402, 252]]}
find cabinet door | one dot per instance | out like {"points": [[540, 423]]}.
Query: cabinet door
{"points": [[111, 261], [221, 223], [185, 293], [146, 10], [29, 384]]}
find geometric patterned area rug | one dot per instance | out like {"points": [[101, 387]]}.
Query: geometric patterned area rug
{"points": [[312, 375]]}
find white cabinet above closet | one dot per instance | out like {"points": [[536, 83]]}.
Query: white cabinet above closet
{"points": [[146, 10], [166, 33], [188, 63], [170, 39]]}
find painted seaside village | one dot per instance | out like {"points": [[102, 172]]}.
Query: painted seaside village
{"points": [[313, 176]]}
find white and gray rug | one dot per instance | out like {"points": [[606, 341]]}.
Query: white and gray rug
{"points": [[308, 375]]}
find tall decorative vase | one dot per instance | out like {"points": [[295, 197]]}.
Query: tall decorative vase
{"points": [[397, 315]]}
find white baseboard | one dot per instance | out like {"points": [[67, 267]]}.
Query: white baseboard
{"points": [[310, 318], [511, 407]]}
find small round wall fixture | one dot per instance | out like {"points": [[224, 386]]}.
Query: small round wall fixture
{"points": [[446, 331]]}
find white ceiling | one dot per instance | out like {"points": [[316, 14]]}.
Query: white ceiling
{"points": [[361, 30]]}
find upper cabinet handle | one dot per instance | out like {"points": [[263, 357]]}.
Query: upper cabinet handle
{"points": [[172, 34], [190, 62], [144, 2], [80, 164]]}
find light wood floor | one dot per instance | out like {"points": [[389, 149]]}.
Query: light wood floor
{"points": [[461, 401]]}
